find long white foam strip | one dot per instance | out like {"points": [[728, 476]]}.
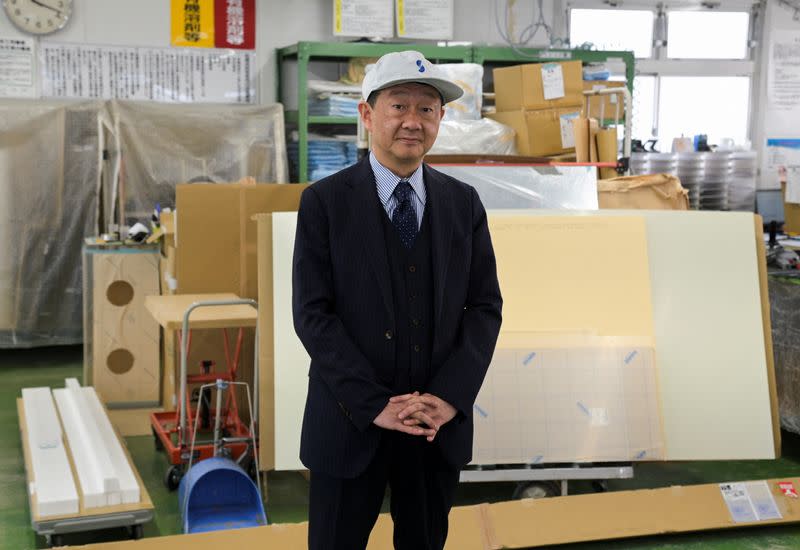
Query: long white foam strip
{"points": [[89, 478], [129, 486], [52, 484], [99, 453]]}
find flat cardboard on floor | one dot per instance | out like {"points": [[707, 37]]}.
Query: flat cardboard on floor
{"points": [[528, 523]]}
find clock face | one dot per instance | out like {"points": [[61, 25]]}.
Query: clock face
{"points": [[38, 16]]}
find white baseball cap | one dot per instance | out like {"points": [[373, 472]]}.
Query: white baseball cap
{"points": [[408, 66]]}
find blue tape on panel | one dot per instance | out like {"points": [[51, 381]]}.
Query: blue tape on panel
{"points": [[630, 356], [641, 455], [529, 358], [582, 407], [481, 411]]}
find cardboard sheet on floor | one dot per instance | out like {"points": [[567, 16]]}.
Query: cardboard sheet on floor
{"points": [[605, 516], [532, 523], [467, 533]]}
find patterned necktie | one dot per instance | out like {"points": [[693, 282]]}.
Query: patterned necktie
{"points": [[404, 217]]}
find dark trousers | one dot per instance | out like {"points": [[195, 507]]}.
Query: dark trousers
{"points": [[342, 512]]}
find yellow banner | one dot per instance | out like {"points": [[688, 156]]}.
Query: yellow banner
{"points": [[193, 23], [401, 18], [337, 16]]}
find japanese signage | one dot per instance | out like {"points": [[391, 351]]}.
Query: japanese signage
{"points": [[214, 23], [157, 74]]}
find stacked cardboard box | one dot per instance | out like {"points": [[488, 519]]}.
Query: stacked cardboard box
{"points": [[605, 106], [540, 101]]}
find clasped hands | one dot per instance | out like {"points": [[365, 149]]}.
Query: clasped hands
{"points": [[416, 414]]}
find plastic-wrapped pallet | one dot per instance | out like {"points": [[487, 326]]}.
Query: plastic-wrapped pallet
{"points": [[470, 77], [484, 136], [784, 300]]}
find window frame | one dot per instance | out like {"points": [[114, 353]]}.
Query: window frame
{"points": [[659, 65]]}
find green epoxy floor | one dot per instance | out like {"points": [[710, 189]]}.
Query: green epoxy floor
{"points": [[288, 491]]}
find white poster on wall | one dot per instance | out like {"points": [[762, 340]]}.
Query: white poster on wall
{"points": [[782, 164], [156, 74], [432, 19], [363, 18], [783, 82], [16, 67]]}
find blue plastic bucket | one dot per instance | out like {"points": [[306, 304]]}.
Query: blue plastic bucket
{"points": [[217, 494]]}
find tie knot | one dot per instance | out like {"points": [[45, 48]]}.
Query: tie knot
{"points": [[403, 190]]}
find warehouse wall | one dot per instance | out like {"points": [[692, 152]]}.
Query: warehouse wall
{"points": [[280, 23], [772, 123]]}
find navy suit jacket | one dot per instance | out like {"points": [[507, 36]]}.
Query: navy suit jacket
{"points": [[343, 314]]}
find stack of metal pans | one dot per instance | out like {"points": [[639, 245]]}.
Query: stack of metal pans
{"points": [[654, 163], [742, 188], [714, 190], [691, 172]]}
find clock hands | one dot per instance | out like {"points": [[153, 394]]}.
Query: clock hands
{"points": [[42, 4]]}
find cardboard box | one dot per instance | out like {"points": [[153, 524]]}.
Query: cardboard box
{"points": [[606, 103], [652, 192], [542, 132], [215, 237], [791, 213], [538, 86]]}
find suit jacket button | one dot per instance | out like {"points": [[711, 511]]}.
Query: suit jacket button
{"points": [[388, 334], [412, 268]]}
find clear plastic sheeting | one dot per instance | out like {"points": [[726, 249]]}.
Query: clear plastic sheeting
{"points": [[474, 137], [49, 165], [163, 145], [526, 186], [784, 299], [470, 77], [70, 169]]}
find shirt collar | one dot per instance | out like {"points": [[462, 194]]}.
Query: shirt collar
{"points": [[386, 180]]}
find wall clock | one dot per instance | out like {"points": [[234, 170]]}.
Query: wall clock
{"points": [[38, 16]]}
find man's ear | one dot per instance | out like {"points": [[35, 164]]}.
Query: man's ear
{"points": [[365, 112]]}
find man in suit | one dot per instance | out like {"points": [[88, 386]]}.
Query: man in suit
{"points": [[396, 300]]}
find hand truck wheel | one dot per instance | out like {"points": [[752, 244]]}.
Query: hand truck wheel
{"points": [[172, 477]]}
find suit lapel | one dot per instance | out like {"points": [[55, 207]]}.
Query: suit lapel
{"points": [[367, 215], [441, 211]]}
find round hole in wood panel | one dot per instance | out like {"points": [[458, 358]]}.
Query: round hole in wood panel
{"points": [[119, 293], [119, 361]]}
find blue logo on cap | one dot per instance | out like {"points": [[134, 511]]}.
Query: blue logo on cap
{"points": [[419, 64]]}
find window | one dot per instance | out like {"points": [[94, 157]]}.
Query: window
{"points": [[626, 30], [644, 115], [677, 90], [707, 35], [716, 106]]}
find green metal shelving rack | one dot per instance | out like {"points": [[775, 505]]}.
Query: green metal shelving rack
{"points": [[304, 52]]}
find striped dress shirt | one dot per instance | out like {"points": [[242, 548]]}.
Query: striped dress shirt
{"points": [[386, 181]]}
